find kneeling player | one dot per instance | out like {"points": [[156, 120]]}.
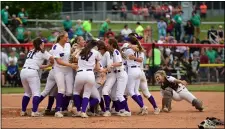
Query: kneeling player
{"points": [[172, 88]]}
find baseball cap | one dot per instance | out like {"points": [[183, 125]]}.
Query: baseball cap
{"points": [[135, 35]]}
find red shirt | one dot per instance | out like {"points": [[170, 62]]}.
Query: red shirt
{"points": [[204, 59]]}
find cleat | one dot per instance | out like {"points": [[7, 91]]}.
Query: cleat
{"points": [[22, 113], [77, 114], [107, 113], [124, 113], [143, 111], [58, 114], [84, 115], [156, 111], [36, 114]]}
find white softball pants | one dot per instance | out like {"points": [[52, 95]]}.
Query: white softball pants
{"points": [[64, 80], [134, 76], [84, 80], [50, 87], [110, 81], [31, 82], [143, 86]]}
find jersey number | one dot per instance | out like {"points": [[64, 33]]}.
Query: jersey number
{"points": [[30, 55], [89, 55]]}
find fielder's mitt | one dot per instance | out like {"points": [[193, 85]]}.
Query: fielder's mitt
{"points": [[101, 78]]}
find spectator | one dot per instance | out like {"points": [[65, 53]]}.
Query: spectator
{"points": [[161, 41], [167, 66], [22, 59], [123, 13], [170, 9], [145, 13], [42, 37], [104, 28], [203, 10], [5, 15], [178, 22], [135, 11], [20, 31], [170, 25], [12, 73], [109, 34], [27, 37], [148, 35], [212, 55], [53, 37], [194, 50], [196, 21], [115, 10], [23, 15], [204, 71], [219, 69], [194, 68], [220, 33], [4, 64], [212, 35], [158, 57], [87, 28], [67, 24], [125, 31], [12, 56], [139, 29], [189, 31], [15, 23], [161, 28], [79, 29]]}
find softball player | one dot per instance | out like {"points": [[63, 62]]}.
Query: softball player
{"points": [[85, 78], [63, 73], [121, 78], [30, 77], [172, 88], [106, 61], [134, 73]]}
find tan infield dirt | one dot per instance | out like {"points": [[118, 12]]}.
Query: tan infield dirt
{"points": [[183, 115]]}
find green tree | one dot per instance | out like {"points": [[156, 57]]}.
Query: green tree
{"points": [[35, 9]]}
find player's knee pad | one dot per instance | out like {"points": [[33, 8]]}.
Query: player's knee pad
{"points": [[197, 104], [168, 93]]}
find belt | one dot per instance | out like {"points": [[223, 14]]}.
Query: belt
{"points": [[117, 71], [29, 68], [85, 70], [108, 72], [135, 66]]}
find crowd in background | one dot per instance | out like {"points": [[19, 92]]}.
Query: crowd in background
{"points": [[182, 62]]}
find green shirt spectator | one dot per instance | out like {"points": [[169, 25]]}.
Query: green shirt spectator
{"points": [[196, 20], [87, 25], [178, 18], [139, 29], [157, 58], [67, 24], [52, 38], [5, 15], [104, 27], [20, 33], [23, 16], [212, 55]]}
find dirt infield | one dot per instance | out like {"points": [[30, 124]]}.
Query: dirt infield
{"points": [[183, 115]]}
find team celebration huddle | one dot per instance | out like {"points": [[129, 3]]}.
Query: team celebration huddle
{"points": [[96, 78]]}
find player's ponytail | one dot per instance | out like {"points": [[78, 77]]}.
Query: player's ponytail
{"points": [[113, 42], [134, 41], [102, 46], [85, 52], [36, 43]]}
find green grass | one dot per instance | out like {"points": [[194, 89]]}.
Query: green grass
{"points": [[210, 88]]}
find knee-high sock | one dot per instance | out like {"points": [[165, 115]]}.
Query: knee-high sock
{"points": [[152, 101], [77, 102], [66, 102], [102, 105], [25, 102], [51, 100], [84, 104], [36, 100], [107, 102], [41, 99], [136, 99], [59, 102]]}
